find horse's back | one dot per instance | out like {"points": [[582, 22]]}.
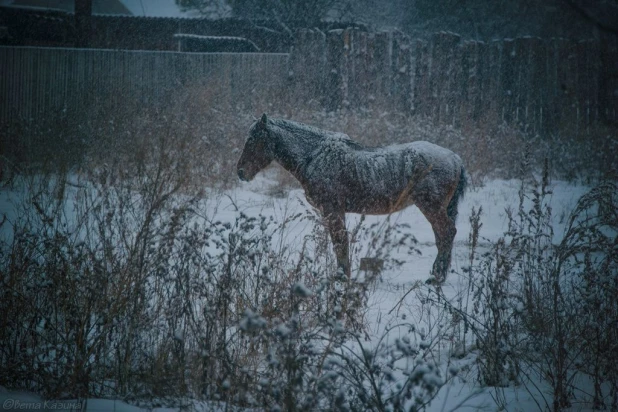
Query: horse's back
{"points": [[434, 154], [390, 178], [422, 172], [437, 174]]}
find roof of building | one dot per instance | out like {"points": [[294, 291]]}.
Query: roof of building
{"points": [[113, 7]]}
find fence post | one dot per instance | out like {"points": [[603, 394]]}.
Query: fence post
{"points": [[413, 74], [567, 78], [308, 66], [422, 86], [508, 81], [336, 76], [381, 67], [445, 47], [587, 93], [470, 82], [537, 101], [400, 69], [360, 83], [608, 81]]}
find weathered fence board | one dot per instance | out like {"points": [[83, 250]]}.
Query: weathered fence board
{"points": [[609, 78], [38, 80], [537, 85]]}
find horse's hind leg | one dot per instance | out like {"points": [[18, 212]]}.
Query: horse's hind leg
{"points": [[444, 230], [335, 222]]}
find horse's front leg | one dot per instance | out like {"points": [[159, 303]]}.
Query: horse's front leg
{"points": [[445, 231], [335, 221]]}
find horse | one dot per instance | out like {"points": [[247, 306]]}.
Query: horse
{"points": [[342, 176]]}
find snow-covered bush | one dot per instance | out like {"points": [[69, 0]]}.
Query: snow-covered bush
{"points": [[547, 311], [327, 366], [76, 262], [117, 283]]}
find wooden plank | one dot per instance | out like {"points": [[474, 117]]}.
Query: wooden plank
{"points": [[400, 69], [368, 74], [492, 89], [469, 83], [456, 87], [380, 67], [334, 96], [422, 87], [594, 62], [4, 81], [567, 78], [552, 90], [297, 73], [413, 74], [608, 99], [588, 56], [444, 61], [313, 63], [538, 82], [357, 50], [11, 74], [434, 77]]}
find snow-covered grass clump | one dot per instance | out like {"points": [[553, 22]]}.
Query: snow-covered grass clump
{"points": [[135, 289]]}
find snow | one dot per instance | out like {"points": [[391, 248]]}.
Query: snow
{"points": [[251, 198], [495, 197], [22, 400], [301, 290], [453, 396]]}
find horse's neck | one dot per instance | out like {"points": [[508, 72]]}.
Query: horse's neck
{"points": [[294, 151]]}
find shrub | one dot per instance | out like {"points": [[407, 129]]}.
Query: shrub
{"points": [[116, 284], [547, 310]]}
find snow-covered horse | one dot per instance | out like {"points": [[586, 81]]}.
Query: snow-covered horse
{"points": [[340, 175]]}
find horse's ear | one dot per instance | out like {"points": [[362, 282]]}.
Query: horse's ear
{"points": [[263, 121]]}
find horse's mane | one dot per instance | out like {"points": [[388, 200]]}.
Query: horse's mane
{"points": [[307, 132]]}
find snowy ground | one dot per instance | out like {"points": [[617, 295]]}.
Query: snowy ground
{"points": [[253, 198], [494, 197]]}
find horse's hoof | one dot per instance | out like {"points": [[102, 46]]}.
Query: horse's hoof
{"points": [[434, 281]]}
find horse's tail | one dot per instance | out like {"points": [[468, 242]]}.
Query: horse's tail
{"points": [[451, 209]]}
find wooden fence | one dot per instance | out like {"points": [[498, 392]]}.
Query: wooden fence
{"points": [[34, 80], [538, 85]]}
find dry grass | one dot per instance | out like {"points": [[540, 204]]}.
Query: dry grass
{"points": [[207, 130]]}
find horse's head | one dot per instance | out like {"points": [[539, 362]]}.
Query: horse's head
{"points": [[258, 151]]}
